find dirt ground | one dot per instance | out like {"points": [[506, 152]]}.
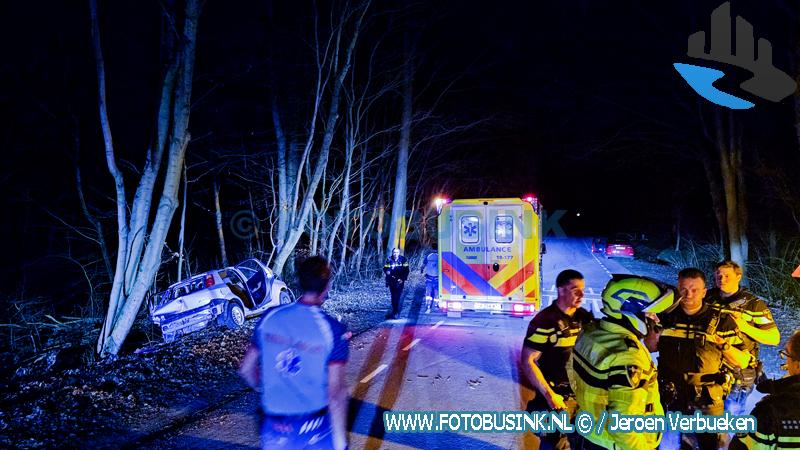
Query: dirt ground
{"points": [[59, 401]]}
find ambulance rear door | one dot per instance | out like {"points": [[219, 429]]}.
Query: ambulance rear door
{"points": [[504, 252]]}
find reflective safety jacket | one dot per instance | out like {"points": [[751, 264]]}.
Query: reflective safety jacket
{"points": [[777, 416], [611, 370]]}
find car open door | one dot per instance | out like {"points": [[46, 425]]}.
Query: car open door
{"points": [[255, 280]]}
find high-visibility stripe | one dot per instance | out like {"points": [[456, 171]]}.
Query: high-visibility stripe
{"points": [[539, 338], [544, 330], [609, 370], [516, 280], [566, 341], [763, 320], [773, 441], [601, 382], [466, 286], [469, 275]]}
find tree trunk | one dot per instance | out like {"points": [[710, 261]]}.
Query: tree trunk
{"points": [[344, 204], [381, 207], [283, 195], [730, 158], [220, 232], [135, 271], [401, 177], [183, 225], [363, 230]]}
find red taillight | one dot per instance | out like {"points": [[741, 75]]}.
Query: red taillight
{"points": [[209, 280]]}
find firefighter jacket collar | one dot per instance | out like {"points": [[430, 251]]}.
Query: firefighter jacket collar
{"points": [[616, 328], [786, 384]]}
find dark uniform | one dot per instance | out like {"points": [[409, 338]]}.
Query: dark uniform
{"points": [[756, 313], [396, 271], [553, 333], [690, 371], [778, 416]]}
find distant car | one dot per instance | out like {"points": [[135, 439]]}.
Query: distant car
{"points": [[619, 249], [599, 245], [225, 296]]}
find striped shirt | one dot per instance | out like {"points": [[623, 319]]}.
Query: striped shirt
{"points": [[296, 343]]}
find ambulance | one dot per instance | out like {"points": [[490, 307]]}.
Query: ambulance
{"points": [[490, 256]]}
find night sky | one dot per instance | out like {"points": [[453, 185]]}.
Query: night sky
{"points": [[578, 102]]}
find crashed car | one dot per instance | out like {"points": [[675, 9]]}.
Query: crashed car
{"points": [[226, 297]]}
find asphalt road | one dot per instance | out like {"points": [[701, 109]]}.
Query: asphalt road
{"points": [[423, 362]]}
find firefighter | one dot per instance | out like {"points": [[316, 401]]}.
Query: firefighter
{"points": [[777, 414], [610, 370], [396, 271], [755, 325], [694, 344], [546, 349]]}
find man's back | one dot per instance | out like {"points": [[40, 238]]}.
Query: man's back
{"points": [[297, 342]]}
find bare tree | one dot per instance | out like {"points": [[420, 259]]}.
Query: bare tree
{"points": [[729, 196], [140, 241], [401, 177], [340, 69]]}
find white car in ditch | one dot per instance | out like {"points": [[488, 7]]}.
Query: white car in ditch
{"points": [[226, 296]]}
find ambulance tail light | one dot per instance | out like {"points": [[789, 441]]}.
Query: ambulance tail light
{"points": [[455, 306], [530, 198], [522, 309]]}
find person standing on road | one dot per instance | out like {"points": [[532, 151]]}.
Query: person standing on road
{"points": [[547, 347], [296, 361], [430, 268], [611, 370], [694, 344], [777, 414], [396, 271], [755, 325]]}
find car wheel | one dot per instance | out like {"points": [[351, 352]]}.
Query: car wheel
{"points": [[284, 298], [234, 316]]}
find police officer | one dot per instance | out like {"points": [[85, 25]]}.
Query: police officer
{"points": [[777, 414], [396, 271], [755, 325], [694, 343], [546, 349], [611, 370]]}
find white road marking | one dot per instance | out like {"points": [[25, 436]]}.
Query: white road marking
{"points": [[553, 287], [437, 324], [591, 291], [374, 373], [413, 343]]}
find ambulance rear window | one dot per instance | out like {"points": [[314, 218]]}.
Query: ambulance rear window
{"points": [[503, 229], [470, 231]]}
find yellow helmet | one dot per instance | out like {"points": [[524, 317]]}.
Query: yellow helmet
{"points": [[627, 298]]}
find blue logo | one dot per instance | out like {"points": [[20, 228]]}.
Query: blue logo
{"points": [[767, 81], [470, 229], [287, 362]]}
